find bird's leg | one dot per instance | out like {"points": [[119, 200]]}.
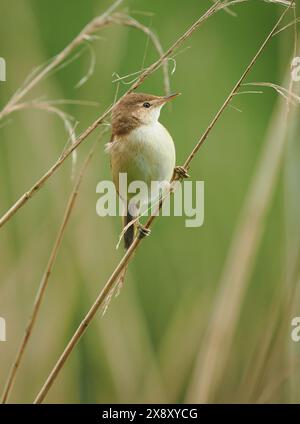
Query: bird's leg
{"points": [[142, 231], [180, 172]]}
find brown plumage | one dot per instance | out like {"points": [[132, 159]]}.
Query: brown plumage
{"points": [[140, 146], [124, 115], [124, 120]]}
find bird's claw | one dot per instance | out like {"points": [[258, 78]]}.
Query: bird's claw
{"points": [[181, 172], [143, 231]]}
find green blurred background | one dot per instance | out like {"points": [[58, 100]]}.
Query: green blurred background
{"points": [[145, 347]]}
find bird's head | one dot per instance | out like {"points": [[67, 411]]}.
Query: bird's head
{"points": [[137, 109]]}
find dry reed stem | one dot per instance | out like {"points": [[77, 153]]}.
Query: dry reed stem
{"points": [[226, 9], [125, 20], [277, 382], [45, 279], [143, 76], [128, 255], [288, 94], [291, 261], [292, 251], [68, 120], [211, 360], [283, 322], [258, 358], [84, 35]]}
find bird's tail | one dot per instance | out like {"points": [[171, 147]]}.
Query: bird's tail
{"points": [[129, 233], [128, 239]]}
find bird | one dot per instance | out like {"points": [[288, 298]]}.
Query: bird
{"points": [[141, 147]]}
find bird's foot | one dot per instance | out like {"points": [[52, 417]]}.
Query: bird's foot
{"points": [[143, 231], [180, 172]]}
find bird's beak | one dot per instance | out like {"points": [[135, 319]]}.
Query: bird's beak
{"points": [[165, 99], [170, 97]]}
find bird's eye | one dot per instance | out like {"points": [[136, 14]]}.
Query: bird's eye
{"points": [[146, 105]]}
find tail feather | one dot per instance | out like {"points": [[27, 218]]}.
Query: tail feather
{"points": [[129, 233]]}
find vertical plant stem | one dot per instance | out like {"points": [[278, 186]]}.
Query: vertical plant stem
{"points": [[128, 255], [86, 321], [144, 75], [45, 280], [213, 354], [60, 57]]}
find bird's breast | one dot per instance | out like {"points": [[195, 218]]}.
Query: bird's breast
{"points": [[147, 154]]}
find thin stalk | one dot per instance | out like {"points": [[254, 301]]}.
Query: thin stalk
{"points": [[210, 365], [130, 252], [89, 29], [144, 75], [45, 280]]}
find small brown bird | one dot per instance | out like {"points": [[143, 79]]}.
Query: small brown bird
{"points": [[140, 146]]}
